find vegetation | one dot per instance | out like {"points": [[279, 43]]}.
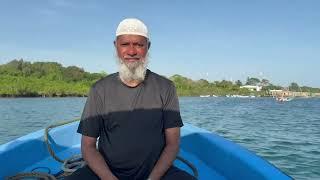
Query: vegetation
{"points": [[46, 79], [188, 87], [20, 78]]}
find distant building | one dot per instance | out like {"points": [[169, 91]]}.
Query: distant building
{"points": [[252, 88], [316, 94], [276, 92]]}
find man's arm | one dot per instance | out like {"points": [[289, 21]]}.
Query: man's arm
{"points": [[94, 159], [168, 154]]}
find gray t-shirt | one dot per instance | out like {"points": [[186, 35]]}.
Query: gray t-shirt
{"points": [[131, 122]]}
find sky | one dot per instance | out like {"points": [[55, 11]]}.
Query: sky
{"points": [[278, 40]]}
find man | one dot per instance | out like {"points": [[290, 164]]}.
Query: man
{"points": [[135, 113]]}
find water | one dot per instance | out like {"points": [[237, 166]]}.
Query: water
{"points": [[286, 134]]}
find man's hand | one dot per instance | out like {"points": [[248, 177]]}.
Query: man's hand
{"points": [[94, 159], [168, 154]]}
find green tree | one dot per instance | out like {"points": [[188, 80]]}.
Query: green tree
{"points": [[238, 83], [22, 78], [73, 73], [265, 82], [294, 87], [252, 81]]}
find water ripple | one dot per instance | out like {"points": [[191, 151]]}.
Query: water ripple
{"points": [[286, 134]]}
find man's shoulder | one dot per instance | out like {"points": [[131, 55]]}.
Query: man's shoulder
{"points": [[159, 79], [105, 81]]}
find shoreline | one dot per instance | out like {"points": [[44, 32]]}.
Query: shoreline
{"points": [[47, 97]]}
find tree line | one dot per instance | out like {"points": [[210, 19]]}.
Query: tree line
{"points": [[19, 78], [46, 79]]}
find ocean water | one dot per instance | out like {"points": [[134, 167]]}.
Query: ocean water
{"points": [[286, 134]]}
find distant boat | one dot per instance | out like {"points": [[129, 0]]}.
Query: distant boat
{"points": [[285, 96], [202, 153], [204, 95], [239, 96], [284, 99]]}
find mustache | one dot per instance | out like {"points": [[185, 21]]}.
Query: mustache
{"points": [[136, 57]]}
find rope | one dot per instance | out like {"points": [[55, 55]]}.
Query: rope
{"points": [[70, 165], [44, 176], [46, 139]]}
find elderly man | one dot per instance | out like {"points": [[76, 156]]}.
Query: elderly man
{"points": [[135, 113]]}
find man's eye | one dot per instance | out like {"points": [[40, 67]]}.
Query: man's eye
{"points": [[140, 45], [124, 44]]}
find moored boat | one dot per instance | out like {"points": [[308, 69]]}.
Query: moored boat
{"points": [[204, 95]]}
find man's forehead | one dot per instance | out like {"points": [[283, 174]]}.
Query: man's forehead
{"points": [[131, 37]]}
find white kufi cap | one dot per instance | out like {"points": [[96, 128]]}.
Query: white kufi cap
{"points": [[132, 26]]}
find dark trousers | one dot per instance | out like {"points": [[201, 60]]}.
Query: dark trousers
{"points": [[173, 173]]}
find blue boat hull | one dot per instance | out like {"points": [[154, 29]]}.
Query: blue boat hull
{"points": [[213, 156]]}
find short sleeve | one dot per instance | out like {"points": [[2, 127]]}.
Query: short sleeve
{"points": [[91, 117], [172, 116]]}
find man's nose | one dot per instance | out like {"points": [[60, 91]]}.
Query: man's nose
{"points": [[132, 50]]}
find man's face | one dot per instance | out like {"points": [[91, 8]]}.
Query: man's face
{"points": [[131, 48]]}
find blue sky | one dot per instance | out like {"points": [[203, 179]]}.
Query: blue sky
{"points": [[274, 39]]}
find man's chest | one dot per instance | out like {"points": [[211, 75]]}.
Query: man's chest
{"points": [[136, 99]]}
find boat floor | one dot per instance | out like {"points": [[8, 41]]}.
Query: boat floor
{"points": [[50, 165]]}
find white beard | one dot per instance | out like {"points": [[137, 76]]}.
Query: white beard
{"points": [[133, 71]]}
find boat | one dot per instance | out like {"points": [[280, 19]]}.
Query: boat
{"points": [[205, 95], [202, 153], [285, 96], [283, 99]]}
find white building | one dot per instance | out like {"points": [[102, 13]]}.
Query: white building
{"points": [[252, 88]]}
